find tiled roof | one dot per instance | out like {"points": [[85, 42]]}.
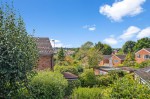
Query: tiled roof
{"points": [[44, 46], [106, 56], [69, 75], [148, 49], [122, 57], [144, 73]]}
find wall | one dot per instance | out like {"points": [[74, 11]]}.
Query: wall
{"points": [[45, 62], [142, 53], [116, 63]]}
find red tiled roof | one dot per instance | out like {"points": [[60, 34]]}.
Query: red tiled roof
{"points": [[148, 49], [106, 56], [69, 75], [122, 57]]}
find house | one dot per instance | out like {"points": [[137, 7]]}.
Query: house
{"points": [[142, 55], [69, 76], [105, 60], [143, 75], [116, 60], [45, 53]]}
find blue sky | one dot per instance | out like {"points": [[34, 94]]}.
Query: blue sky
{"points": [[73, 22]]}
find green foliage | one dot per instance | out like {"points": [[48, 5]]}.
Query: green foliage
{"points": [[128, 47], [61, 69], [71, 85], [61, 57], [129, 89], [94, 58], [142, 43], [18, 53], [48, 85], [88, 78], [143, 64], [87, 93], [104, 80], [129, 60], [120, 52], [107, 80], [104, 48]]}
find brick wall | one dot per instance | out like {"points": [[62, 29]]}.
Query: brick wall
{"points": [[103, 62], [45, 62], [116, 63], [142, 53]]}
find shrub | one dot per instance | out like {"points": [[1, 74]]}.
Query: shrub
{"points": [[18, 53], [88, 78], [144, 64], [104, 80], [62, 69], [127, 88], [87, 93], [71, 85], [48, 85]]}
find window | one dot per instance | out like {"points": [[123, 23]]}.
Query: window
{"points": [[115, 61], [147, 57], [138, 56]]}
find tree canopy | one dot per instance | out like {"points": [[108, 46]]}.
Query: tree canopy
{"points": [[18, 53], [128, 47]]}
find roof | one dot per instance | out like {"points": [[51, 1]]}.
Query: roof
{"points": [[122, 57], [128, 69], [144, 73], [106, 56], [44, 46], [146, 49], [69, 75]]}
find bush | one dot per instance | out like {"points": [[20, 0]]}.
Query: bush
{"points": [[62, 69], [48, 85], [127, 88], [71, 85], [104, 80], [88, 78], [87, 93], [143, 64]]}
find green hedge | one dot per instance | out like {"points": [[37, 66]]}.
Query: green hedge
{"points": [[48, 85], [71, 69], [71, 85], [88, 78], [87, 93]]}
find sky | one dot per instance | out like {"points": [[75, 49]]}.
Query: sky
{"points": [[71, 23]]}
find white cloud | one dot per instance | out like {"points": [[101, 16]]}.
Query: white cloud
{"points": [[122, 8], [58, 43], [110, 41], [129, 33], [144, 33], [90, 27]]}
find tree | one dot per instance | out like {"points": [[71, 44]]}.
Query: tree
{"points": [[129, 60], [61, 55], [94, 58], [128, 47], [87, 45], [18, 53], [142, 43], [107, 50], [104, 48]]}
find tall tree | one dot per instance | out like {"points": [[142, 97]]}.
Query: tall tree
{"points": [[142, 43], [61, 55], [128, 46], [18, 53]]}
